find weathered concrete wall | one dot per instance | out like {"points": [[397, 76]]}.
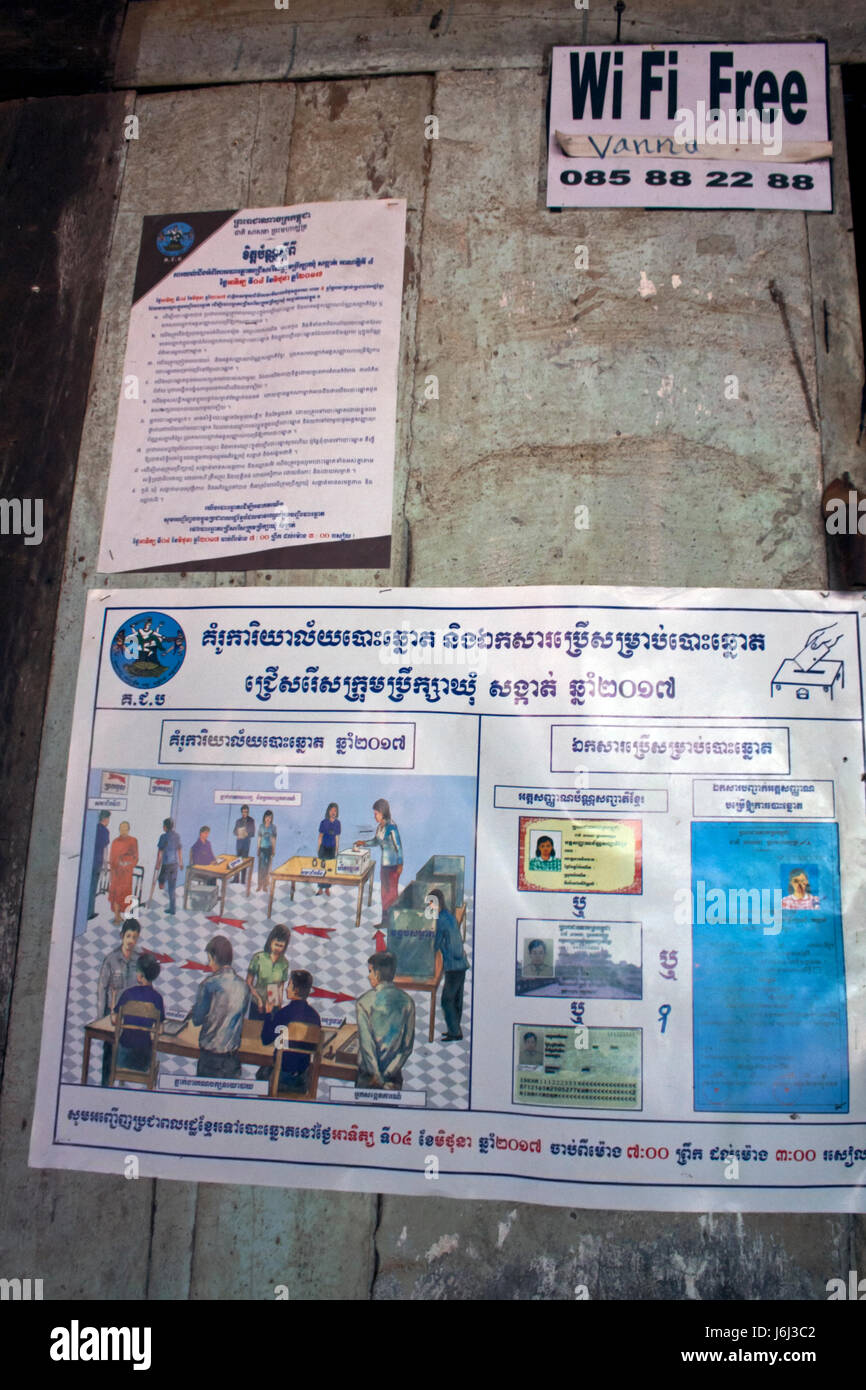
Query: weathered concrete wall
{"points": [[613, 398], [173, 42]]}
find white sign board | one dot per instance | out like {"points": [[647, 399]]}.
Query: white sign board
{"points": [[258, 406], [690, 126], [642, 813]]}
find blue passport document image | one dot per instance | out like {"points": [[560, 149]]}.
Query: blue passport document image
{"points": [[770, 1023]]}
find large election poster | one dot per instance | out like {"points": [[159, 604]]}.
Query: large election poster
{"points": [[257, 414], [538, 894]]}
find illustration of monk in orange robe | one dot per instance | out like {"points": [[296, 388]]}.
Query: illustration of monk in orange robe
{"points": [[123, 858]]}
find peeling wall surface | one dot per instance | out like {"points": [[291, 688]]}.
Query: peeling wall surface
{"points": [[608, 381]]}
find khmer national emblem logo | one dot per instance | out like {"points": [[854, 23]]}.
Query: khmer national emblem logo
{"points": [[148, 650], [175, 239]]}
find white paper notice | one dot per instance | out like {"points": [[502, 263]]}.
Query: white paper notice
{"points": [[259, 397], [608, 843]]}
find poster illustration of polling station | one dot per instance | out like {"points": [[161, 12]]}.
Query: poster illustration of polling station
{"points": [[536, 894]]}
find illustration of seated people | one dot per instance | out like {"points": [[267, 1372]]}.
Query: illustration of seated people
{"points": [[294, 1065], [219, 1010], [122, 859], [202, 852], [538, 959], [100, 860], [266, 847], [119, 972], [328, 844], [449, 943], [386, 1027], [531, 1050], [548, 852], [169, 858], [386, 839], [134, 1049], [245, 829], [799, 897]]}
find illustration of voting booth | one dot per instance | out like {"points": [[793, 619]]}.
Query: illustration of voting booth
{"points": [[445, 871], [411, 936]]}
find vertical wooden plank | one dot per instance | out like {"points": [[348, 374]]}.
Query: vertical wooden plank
{"points": [[62, 162], [249, 1240], [271, 139], [203, 149], [366, 140], [836, 314], [603, 388]]}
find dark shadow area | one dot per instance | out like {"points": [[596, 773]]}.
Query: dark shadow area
{"points": [[59, 166], [51, 49]]}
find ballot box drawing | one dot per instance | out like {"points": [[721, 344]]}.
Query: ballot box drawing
{"points": [[446, 872], [823, 677], [352, 861], [410, 935], [203, 897]]}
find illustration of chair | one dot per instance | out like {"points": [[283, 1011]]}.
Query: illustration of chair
{"points": [[141, 1018], [304, 1039]]}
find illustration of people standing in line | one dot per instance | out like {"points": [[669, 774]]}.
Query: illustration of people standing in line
{"points": [[245, 829], [100, 851], [122, 860], [455, 963], [329, 839], [387, 839], [169, 858], [219, 1010], [386, 1027], [267, 845]]}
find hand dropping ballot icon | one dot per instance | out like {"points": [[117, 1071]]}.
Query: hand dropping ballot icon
{"points": [[809, 671]]}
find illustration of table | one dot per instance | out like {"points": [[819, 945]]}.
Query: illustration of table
{"points": [[823, 677], [225, 868], [300, 869], [337, 1049], [431, 985]]}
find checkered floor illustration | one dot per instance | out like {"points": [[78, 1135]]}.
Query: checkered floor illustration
{"points": [[338, 963]]}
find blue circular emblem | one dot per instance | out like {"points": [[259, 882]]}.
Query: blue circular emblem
{"points": [[148, 650], [175, 239]]}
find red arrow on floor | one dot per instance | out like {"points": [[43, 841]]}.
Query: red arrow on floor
{"points": [[315, 931], [163, 960], [381, 943], [337, 998], [228, 922], [194, 965]]}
